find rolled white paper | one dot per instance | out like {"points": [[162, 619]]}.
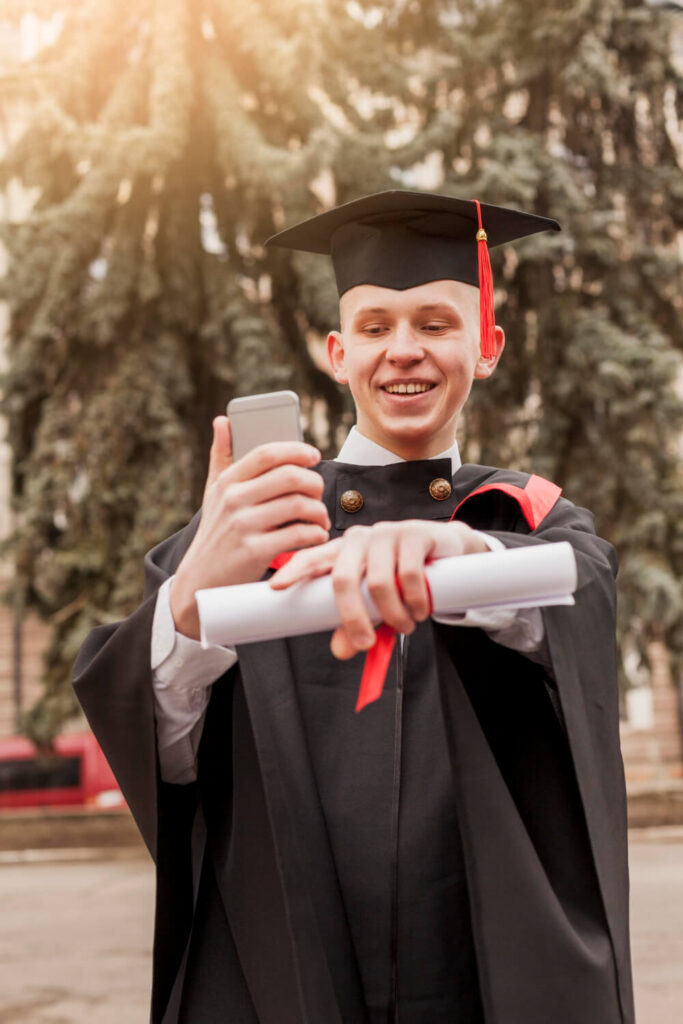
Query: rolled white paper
{"points": [[525, 577]]}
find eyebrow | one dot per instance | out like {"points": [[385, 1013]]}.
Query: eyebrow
{"points": [[421, 309]]}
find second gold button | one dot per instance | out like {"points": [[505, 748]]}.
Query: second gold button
{"points": [[440, 489]]}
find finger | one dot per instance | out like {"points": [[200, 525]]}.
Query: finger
{"points": [[291, 538], [272, 514], [307, 565], [413, 550], [380, 575], [220, 456], [341, 646], [278, 453], [278, 482], [348, 571]]}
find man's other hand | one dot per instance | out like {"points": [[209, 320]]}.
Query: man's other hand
{"points": [[380, 554], [267, 502]]}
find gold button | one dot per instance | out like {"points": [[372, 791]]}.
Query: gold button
{"points": [[440, 489], [351, 501]]}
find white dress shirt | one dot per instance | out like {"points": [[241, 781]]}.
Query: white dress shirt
{"points": [[183, 671]]}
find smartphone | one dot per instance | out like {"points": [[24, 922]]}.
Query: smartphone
{"points": [[259, 419]]}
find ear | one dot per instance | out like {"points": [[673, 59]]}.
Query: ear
{"points": [[335, 354], [485, 367]]}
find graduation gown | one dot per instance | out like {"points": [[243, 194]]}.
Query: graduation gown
{"points": [[455, 853]]}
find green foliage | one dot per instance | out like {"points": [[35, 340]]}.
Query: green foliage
{"points": [[575, 117], [166, 141]]}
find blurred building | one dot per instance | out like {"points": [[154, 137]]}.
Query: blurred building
{"points": [[651, 731]]}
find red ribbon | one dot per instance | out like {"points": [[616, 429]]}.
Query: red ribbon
{"points": [[379, 656], [376, 666]]}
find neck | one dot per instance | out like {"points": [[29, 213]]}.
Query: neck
{"points": [[410, 449]]}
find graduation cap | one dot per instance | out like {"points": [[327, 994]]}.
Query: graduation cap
{"points": [[400, 239]]}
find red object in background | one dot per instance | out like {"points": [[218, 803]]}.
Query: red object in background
{"points": [[75, 775]]}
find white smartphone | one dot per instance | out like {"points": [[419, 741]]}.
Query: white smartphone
{"points": [[260, 419]]}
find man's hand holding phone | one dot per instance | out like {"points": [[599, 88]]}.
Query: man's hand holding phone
{"points": [[267, 502]]}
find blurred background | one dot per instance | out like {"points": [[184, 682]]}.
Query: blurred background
{"points": [[148, 149]]}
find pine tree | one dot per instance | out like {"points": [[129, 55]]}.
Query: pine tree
{"points": [[167, 140], [575, 115]]}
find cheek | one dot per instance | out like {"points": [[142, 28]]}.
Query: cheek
{"points": [[360, 367], [461, 363], [351, 365]]}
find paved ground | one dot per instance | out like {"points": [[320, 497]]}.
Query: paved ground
{"points": [[657, 931], [75, 937], [75, 942]]}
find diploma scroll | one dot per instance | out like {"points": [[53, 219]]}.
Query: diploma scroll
{"points": [[525, 577]]}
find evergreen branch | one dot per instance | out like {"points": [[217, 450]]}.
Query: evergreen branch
{"points": [[171, 92], [241, 149], [268, 62]]}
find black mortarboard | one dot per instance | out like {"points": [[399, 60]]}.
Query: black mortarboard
{"points": [[400, 239]]}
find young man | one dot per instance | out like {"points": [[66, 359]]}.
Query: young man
{"points": [[454, 854]]}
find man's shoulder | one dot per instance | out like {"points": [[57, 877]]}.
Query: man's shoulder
{"points": [[534, 495]]}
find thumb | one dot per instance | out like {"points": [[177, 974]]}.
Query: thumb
{"points": [[220, 456], [341, 645]]}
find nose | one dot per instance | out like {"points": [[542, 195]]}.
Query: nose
{"points": [[405, 346]]}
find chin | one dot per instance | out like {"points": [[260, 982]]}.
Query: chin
{"points": [[409, 437], [411, 427]]}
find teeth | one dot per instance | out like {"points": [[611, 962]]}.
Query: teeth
{"points": [[407, 389]]}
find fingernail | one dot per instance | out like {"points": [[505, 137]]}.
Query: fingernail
{"points": [[364, 640]]}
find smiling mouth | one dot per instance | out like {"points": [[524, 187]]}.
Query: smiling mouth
{"points": [[407, 389]]}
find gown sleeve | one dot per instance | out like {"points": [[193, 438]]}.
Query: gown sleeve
{"points": [[112, 678]]}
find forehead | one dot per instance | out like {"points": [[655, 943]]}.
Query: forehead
{"points": [[463, 297]]}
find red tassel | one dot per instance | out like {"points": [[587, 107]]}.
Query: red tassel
{"points": [[487, 316]]}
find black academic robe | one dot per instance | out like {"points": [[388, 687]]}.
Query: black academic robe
{"points": [[454, 853]]}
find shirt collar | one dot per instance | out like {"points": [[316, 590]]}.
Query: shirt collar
{"points": [[359, 450]]}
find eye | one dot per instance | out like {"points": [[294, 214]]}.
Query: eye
{"points": [[434, 327], [374, 329]]}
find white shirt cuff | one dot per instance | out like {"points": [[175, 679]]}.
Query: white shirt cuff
{"points": [[521, 629], [182, 674]]}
